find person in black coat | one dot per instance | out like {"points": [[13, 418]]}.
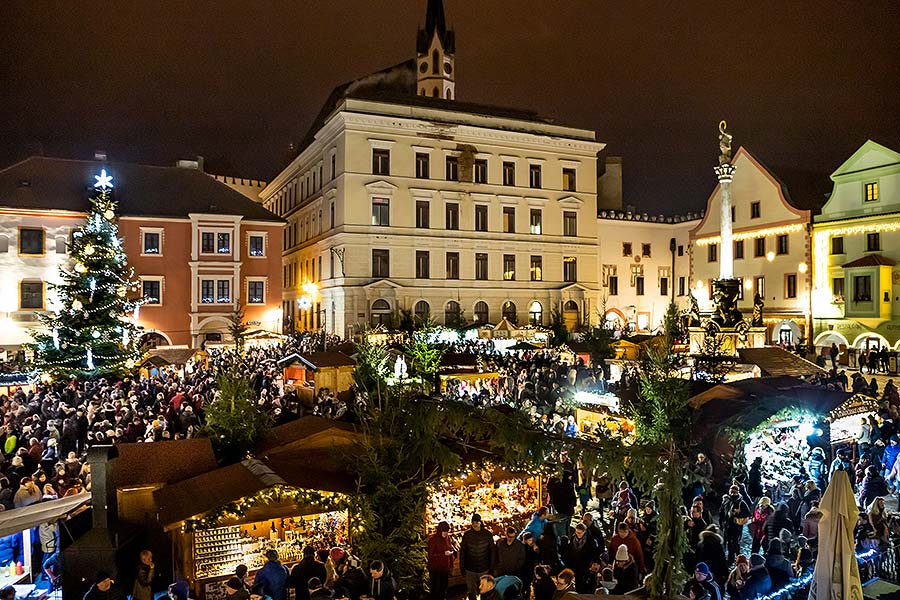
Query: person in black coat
{"points": [[778, 520], [754, 479], [564, 498], [580, 552], [711, 550], [381, 584], [548, 548], [476, 555], [305, 570], [758, 583]]}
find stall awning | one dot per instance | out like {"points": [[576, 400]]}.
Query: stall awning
{"points": [[19, 519], [774, 361]]}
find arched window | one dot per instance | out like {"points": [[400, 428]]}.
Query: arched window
{"points": [[435, 62], [435, 92], [381, 313], [448, 94], [509, 312], [535, 313], [61, 244], [422, 92], [421, 311], [481, 312], [452, 313], [570, 305], [4, 243]]}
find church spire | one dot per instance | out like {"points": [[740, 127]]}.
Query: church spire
{"points": [[435, 50]]}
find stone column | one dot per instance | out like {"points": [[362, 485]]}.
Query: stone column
{"points": [[725, 173]]}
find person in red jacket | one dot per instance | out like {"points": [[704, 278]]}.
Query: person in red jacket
{"points": [[440, 560], [625, 536]]}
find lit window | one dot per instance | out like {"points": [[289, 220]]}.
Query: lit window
{"points": [[871, 192], [568, 176], [570, 271], [509, 267], [535, 313], [536, 269], [256, 245], [509, 219], [31, 295], [256, 292], [536, 221]]}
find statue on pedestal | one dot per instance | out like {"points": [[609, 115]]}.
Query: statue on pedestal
{"points": [[756, 320], [693, 319], [724, 143], [725, 297]]}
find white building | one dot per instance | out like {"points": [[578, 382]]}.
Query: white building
{"points": [[404, 200], [637, 279], [771, 250], [856, 246]]}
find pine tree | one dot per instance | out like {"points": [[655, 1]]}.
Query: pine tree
{"points": [[88, 333]]}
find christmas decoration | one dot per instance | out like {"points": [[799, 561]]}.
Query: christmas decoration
{"points": [[90, 333]]}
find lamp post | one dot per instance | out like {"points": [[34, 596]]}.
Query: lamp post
{"points": [[672, 247], [306, 302]]}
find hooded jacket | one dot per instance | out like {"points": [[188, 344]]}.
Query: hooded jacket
{"points": [[438, 559], [384, 587]]}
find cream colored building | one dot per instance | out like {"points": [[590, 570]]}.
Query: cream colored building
{"points": [[403, 201], [856, 246], [771, 250], [637, 279]]}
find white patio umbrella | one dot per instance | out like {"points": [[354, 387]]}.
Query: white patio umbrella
{"points": [[836, 575]]}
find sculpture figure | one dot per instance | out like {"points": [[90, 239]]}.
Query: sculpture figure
{"points": [[694, 313], [756, 320], [724, 143]]}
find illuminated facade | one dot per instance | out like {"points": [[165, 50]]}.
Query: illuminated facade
{"points": [[856, 245], [404, 200], [198, 247], [770, 247]]}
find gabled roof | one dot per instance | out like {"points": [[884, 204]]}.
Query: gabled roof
{"points": [[775, 362], [306, 433], [161, 462], [872, 260], [43, 183], [318, 360], [871, 155]]}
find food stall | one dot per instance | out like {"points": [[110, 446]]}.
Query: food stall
{"points": [[468, 381], [178, 360], [597, 417], [845, 420], [10, 382], [306, 374], [233, 515]]}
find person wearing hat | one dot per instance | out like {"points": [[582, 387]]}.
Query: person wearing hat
{"points": [[842, 462], [733, 515], [305, 570], [757, 582], [235, 589], [738, 577], [711, 550], [440, 561], [28, 493], [703, 576], [104, 588], [625, 572], [273, 576], [816, 467], [476, 555], [758, 524], [317, 590]]}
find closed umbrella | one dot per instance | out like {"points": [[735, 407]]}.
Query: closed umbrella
{"points": [[836, 575]]}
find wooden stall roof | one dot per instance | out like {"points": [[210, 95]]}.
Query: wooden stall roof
{"points": [[307, 433], [318, 360], [774, 361], [162, 462], [173, 356]]}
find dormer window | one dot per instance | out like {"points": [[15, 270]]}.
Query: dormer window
{"points": [[872, 192]]}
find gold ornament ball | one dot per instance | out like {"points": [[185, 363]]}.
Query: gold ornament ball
{"points": [[88, 250], [109, 214], [121, 292], [77, 305], [80, 268]]}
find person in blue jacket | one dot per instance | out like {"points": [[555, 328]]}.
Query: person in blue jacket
{"points": [[273, 577], [536, 525], [891, 451], [11, 550]]}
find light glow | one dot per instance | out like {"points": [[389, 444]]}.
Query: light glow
{"points": [[104, 181], [755, 233], [803, 267], [770, 256]]}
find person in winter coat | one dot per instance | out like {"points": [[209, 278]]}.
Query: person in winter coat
{"points": [[146, 572], [625, 536], [711, 550], [381, 584], [305, 570], [563, 498], [536, 524], [543, 586], [758, 523], [548, 548], [757, 583], [816, 467], [777, 521], [440, 561], [580, 552], [733, 515], [273, 577], [509, 555], [754, 479], [703, 576], [476, 554], [811, 493], [625, 572], [779, 567], [565, 586], [810, 526], [734, 586], [873, 485]]}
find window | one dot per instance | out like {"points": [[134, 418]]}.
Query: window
{"points": [[481, 170], [837, 287], [451, 220], [333, 165], [790, 285], [452, 168], [452, 313], [381, 313], [626, 249], [62, 245], [536, 268], [570, 270], [481, 312], [421, 310], [759, 247], [423, 261], [481, 266], [754, 210], [872, 192], [256, 245], [613, 285], [739, 249], [151, 243], [31, 295], [862, 288], [639, 285], [873, 242], [509, 312], [534, 176], [781, 244], [712, 253], [151, 291], [509, 173], [381, 162], [422, 165], [381, 212], [481, 217], [570, 223], [645, 250], [332, 215], [381, 263], [536, 221], [453, 265], [31, 241], [535, 313], [568, 176], [509, 219], [207, 291], [837, 245], [681, 286], [223, 243], [223, 291], [680, 250], [509, 267], [423, 214], [663, 286], [759, 286]]}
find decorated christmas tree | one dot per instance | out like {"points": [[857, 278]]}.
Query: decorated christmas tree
{"points": [[88, 334]]}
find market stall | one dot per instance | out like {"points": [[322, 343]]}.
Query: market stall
{"points": [[845, 420], [306, 374], [468, 382], [177, 360], [597, 417], [11, 382], [235, 514]]}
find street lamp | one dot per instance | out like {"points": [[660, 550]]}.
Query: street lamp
{"points": [[305, 302]]}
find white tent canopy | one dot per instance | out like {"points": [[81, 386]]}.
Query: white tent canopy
{"points": [[20, 519]]}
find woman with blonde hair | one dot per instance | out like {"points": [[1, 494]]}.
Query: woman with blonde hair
{"points": [[758, 523], [878, 518]]}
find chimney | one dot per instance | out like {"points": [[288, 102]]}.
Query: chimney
{"points": [[100, 155], [189, 164], [200, 164], [609, 184], [104, 500]]}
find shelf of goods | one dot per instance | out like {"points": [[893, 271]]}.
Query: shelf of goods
{"points": [[499, 503]]}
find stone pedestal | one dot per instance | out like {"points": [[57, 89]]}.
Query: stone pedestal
{"points": [[733, 338]]}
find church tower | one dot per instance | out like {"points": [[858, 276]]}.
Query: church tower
{"points": [[435, 52]]}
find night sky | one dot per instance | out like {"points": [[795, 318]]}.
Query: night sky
{"points": [[802, 84]]}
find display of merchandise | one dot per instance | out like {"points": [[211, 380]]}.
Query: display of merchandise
{"points": [[495, 502], [217, 551], [784, 450]]}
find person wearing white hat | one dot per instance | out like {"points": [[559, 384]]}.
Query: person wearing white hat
{"points": [[625, 572]]}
